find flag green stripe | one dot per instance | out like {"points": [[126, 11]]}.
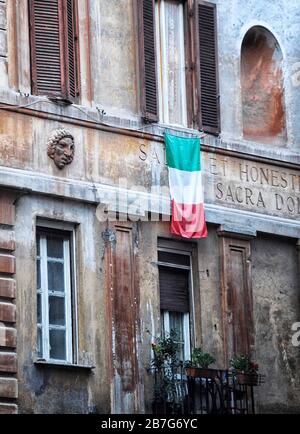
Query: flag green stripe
{"points": [[183, 153]]}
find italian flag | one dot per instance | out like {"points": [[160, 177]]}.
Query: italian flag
{"points": [[183, 160]]}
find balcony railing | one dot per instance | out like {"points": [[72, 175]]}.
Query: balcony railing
{"points": [[206, 391]]}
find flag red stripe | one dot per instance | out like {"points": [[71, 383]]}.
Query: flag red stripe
{"points": [[188, 221]]}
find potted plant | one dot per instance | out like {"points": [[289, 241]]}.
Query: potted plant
{"points": [[245, 370], [166, 368], [199, 364]]}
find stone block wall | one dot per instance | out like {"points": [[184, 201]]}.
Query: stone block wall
{"points": [[8, 333]]}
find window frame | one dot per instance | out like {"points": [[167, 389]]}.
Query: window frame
{"points": [[67, 233], [198, 90], [188, 317], [162, 81]]}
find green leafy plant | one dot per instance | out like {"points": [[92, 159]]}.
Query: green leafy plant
{"points": [[165, 350], [243, 363], [166, 368], [200, 359]]}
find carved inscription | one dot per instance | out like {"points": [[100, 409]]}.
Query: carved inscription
{"points": [[243, 184], [251, 185]]}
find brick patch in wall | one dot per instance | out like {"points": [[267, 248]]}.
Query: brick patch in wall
{"points": [[8, 362], [7, 288]]}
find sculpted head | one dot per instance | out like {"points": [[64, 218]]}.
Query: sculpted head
{"points": [[61, 147]]}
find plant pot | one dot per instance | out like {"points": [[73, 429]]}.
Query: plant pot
{"points": [[193, 372], [247, 379], [209, 373], [202, 372]]}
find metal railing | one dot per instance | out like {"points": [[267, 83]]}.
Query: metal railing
{"points": [[202, 391]]}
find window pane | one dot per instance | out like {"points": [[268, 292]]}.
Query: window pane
{"points": [[56, 276], [57, 344], [39, 308], [55, 247], [176, 320], [57, 310], [38, 274], [172, 62], [176, 324], [39, 343]]}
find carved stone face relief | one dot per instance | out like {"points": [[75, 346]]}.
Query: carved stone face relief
{"points": [[61, 147]]}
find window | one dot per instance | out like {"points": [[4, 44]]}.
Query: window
{"points": [[54, 49], [54, 295], [175, 293], [178, 63]]}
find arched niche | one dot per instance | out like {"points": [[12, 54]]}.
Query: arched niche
{"points": [[262, 88]]}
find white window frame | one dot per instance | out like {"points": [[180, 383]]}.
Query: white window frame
{"points": [[161, 57], [188, 317], [68, 236]]}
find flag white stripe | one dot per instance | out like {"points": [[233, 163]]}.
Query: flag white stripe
{"points": [[186, 187]]}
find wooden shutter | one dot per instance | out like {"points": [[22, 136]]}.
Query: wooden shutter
{"points": [[237, 303], [174, 289], [207, 60], [123, 316], [54, 53], [71, 37], [147, 49]]}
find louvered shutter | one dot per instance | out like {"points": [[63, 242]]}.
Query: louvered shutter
{"points": [[174, 289], [71, 39], [53, 49], [147, 48], [207, 51]]}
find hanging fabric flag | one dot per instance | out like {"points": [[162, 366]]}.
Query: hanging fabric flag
{"points": [[183, 160]]}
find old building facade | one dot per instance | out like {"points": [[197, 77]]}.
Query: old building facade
{"points": [[87, 90]]}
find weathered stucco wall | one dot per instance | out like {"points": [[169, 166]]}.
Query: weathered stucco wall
{"points": [[262, 88], [113, 57], [62, 390], [235, 18], [105, 159], [276, 297], [99, 156], [118, 92], [210, 296]]}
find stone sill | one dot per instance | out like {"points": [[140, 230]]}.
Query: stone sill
{"points": [[54, 364]]}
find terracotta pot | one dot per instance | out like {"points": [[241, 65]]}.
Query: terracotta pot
{"points": [[247, 379], [193, 372], [202, 372]]}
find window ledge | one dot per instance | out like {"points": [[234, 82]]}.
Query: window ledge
{"points": [[62, 365]]}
